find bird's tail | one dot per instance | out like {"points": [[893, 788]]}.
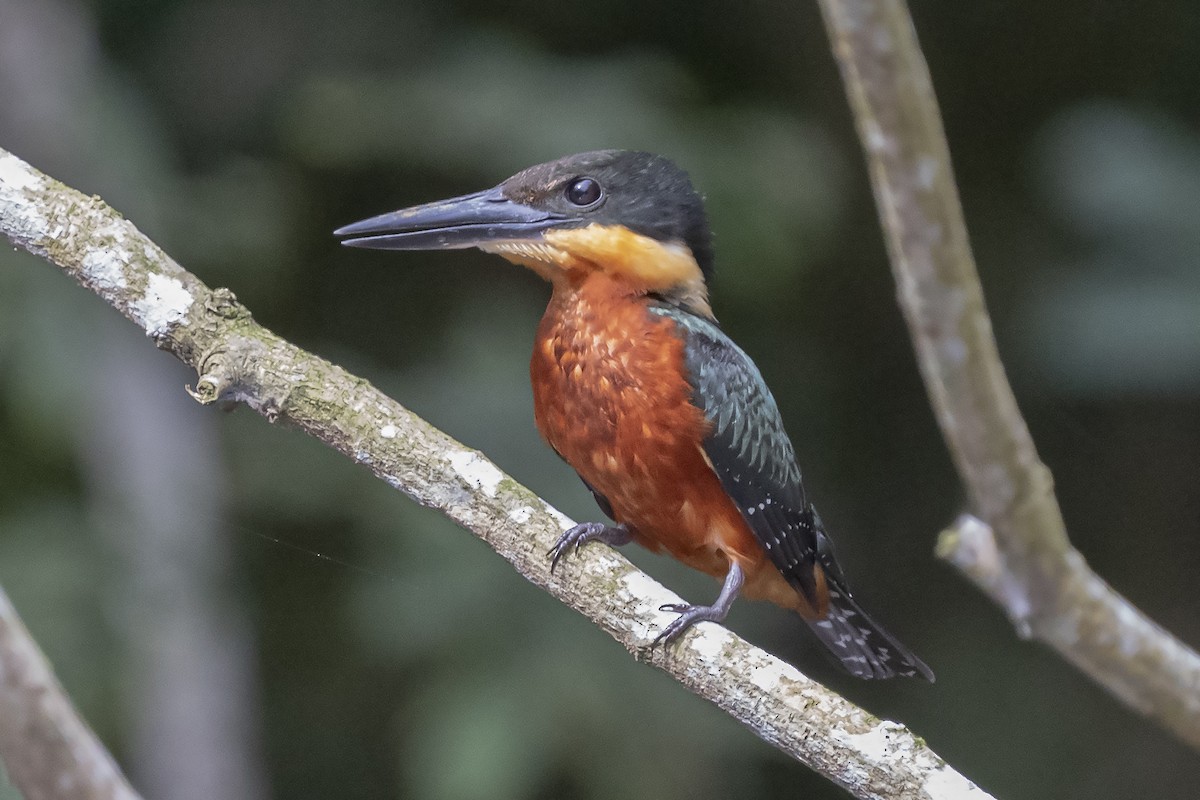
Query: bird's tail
{"points": [[862, 646]]}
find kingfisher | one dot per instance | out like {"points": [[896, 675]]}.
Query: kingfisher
{"points": [[636, 386]]}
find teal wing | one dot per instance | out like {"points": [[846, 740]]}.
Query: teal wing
{"points": [[756, 464], [749, 449]]}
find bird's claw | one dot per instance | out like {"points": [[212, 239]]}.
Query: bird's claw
{"points": [[581, 534], [689, 615]]}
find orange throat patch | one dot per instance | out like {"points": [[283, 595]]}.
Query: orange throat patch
{"points": [[643, 264]]}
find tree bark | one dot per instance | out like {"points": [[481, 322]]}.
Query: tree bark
{"points": [[48, 751]]}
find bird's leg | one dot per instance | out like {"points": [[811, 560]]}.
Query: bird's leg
{"points": [[689, 614], [577, 537]]}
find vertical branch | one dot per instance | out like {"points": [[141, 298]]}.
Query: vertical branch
{"points": [[1020, 554]]}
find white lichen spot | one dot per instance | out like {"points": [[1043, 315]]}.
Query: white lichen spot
{"points": [[105, 269], [877, 744], [521, 515], [1128, 632], [769, 677], [645, 595], [21, 216], [944, 782], [876, 140], [389, 431], [645, 591], [927, 169], [476, 471], [16, 175], [163, 305], [710, 641], [975, 548]]}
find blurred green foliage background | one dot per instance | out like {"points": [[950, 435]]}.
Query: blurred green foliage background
{"points": [[242, 614]]}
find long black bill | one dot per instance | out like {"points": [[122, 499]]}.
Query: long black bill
{"points": [[467, 221]]}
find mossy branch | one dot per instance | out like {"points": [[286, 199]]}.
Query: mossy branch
{"points": [[238, 360], [1016, 547]]}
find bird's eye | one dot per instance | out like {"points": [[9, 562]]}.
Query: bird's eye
{"points": [[583, 191]]}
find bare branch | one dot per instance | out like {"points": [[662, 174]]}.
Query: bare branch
{"points": [[1030, 567], [239, 360], [49, 752]]}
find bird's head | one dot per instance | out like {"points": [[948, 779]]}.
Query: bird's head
{"points": [[630, 215]]}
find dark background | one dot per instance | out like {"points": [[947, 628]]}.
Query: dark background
{"points": [[243, 614]]}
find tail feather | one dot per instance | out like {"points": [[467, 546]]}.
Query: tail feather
{"points": [[862, 646]]}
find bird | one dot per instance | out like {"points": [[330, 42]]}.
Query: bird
{"points": [[635, 385]]}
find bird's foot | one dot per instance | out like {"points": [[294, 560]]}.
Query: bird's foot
{"points": [[689, 614], [577, 537]]}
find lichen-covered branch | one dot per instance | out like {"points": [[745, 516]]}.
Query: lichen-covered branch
{"points": [[1029, 567], [236, 359], [48, 751]]}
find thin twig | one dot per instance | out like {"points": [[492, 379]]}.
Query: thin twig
{"points": [[236, 359], [1029, 567]]}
